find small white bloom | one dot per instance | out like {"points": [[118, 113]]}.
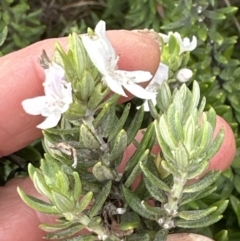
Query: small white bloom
{"points": [[57, 98], [185, 44], [184, 75], [160, 76], [104, 57]]}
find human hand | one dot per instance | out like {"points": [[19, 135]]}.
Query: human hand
{"points": [[21, 78]]}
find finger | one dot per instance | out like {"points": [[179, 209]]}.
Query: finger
{"points": [[18, 221], [22, 77], [224, 157], [187, 237]]}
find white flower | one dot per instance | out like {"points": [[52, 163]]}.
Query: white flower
{"points": [[184, 75], [160, 76], [57, 98], [185, 44], [104, 57]]}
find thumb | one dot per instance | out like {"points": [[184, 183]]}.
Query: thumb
{"points": [[19, 222]]}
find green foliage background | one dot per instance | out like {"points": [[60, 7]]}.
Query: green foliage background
{"points": [[216, 63]]}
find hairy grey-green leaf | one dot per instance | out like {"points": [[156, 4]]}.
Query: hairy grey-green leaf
{"points": [[62, 203], [196, 214], [84, 202], [136, 170], [204, 182], [156, 192], [100, 199], [120, 144], [135, 203], [119, 125], [146, 143], [153, 179], [88, 137], [37, 204], [103, 172], [200, 223], [135, 125], [65, 233], [161, 235]]}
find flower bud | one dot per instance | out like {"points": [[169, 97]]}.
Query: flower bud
{"points": [[184, 75]]}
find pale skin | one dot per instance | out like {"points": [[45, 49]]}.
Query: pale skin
{"points": [[21, 77]]}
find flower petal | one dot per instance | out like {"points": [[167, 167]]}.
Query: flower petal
{"points": [[137, 76], [139, 91], [161, 74], [114, 85], [100, 50], [50, 121], [34, 106]]}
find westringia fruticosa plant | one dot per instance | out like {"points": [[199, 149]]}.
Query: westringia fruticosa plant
{"points": [[85, 138]]}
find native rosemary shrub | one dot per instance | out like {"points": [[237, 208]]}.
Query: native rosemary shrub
{"points": [[215, 64], [79, 173]]}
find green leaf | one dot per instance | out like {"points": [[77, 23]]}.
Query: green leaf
{"points": [[97, 96], [55, 131], [101, 115], [188, 4], [79, 56], [102, 172], [200, 223], [146, 143], [235, 203], [63, 203], [86, 86], [138, 237], [136, 170], [40, 185], [196, 214], [65, 232], [164, 97], [161, 235], [170, 167], [119, 125], [84, 202], [129, 220], [3, 35], [214, 15], [55, 227], [153, 179], [77, 186], [204, 182], [197, 169], [181, 157], [217, 143], [100, 199], [37, 204], [135, 203], [62, 183], [88, 138], [212, 117], [221, 236], [166, 132], [120, 144], [188, 197], [135, 125], [156, 192]]}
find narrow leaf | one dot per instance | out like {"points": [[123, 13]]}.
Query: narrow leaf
{"points": [[135, 203], [153, 179], [100, 199], [37, 204]]}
